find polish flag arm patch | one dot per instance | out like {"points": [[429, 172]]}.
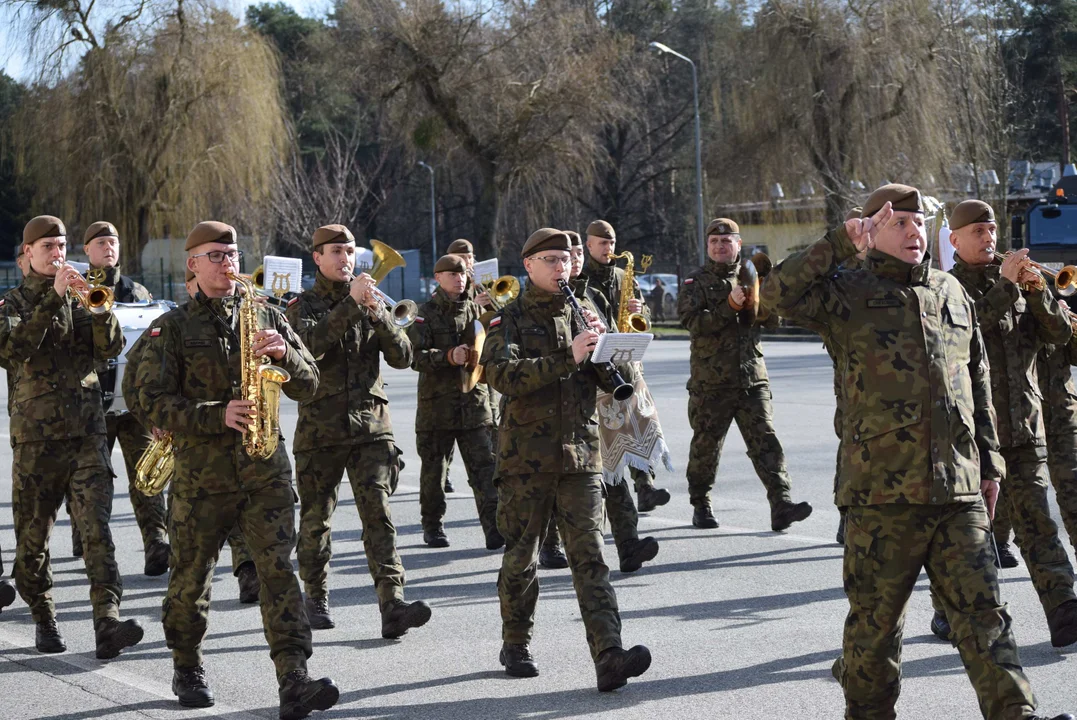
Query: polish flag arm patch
{"points": [[293, 301], [495, 322], [689, 281], [419, 319], [154, 332]]}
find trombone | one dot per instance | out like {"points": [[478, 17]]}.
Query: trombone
{"points": [[1065, 280], [501, 292]]}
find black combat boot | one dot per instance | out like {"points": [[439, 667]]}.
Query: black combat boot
{"points": [[786, 513], [157, 559], [76, 541], [448, 486], [633, 553], [300, 696], [518, 661], [436, 538], [840, 537], [398, 617], [1063, 716], [552, 557], [113, 636], [703, 518], [318, 614], [649, 497], [249, 586], [48, 639], [494, 540], [615, 665], [189, 685], [940, 626], [1007, 558], [1062, 621], [7, 593]]}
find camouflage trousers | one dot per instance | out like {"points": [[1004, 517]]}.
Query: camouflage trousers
{"points": [[236, 544], [43, 473], [199, 526], [369, 468], [150, 512], [1062, 468], [1024, 496], [620, 511], [710, 416], [886, 546], [524, 506], [435, 450]]}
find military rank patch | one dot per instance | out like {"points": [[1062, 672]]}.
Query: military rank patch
{"points": [[495, 322], [419, 319], [689, 281], [154, 332]]}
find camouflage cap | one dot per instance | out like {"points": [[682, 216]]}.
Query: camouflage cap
{"points": [[968, 212], [854, 213], [602, 229], [722, 226], [43, 226], [574, 238], [450, 263], [900, 197], [461, 247], [332, 234], [210, 231], [545, 239], [99, 229]]}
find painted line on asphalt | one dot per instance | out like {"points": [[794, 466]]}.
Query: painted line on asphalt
{"points": [[18, 641]]}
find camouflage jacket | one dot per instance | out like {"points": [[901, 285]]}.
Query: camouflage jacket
{"points": [[443, 324], [1015, 326], [50, 346], [188, 373], [725, 354], [141, 348], [351, 406], [549, 419], [608, 280], [853, 263], [919, 426], [1053, 368]]}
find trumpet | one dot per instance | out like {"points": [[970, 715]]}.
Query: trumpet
{"points": [[93, 296], [386, 259], [1065, 280]]}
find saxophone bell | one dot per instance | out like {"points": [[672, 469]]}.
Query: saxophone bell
{"points": [[155, 468]]}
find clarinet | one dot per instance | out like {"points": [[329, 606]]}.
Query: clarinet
{"points": [[621, 389]]}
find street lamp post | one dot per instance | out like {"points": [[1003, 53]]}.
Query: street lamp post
{"points": [[433, 221], [699, 150]]}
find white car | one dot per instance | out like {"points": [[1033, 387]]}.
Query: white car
{"points": [[669, 283]]}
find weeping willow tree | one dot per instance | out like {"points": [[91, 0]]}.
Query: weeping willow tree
{"points": [[159, 125]]}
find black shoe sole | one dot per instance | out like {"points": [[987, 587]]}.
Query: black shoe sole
{"points": [[326, 624], [324, 699], [200, 703], [706, 525], [526, 671], [125, 637], [7, 594], [636, 666], [802, 513], [438, 543], [635, 562], [558, 564], [1064, 638], [51, 650], [416, 616]]}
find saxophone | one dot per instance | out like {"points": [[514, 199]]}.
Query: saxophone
{"points": [[630, 322], [154, 469], [261, 381]]}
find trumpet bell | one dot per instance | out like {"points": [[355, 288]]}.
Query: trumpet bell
{"points": [[404, 313], [1066, 281]]}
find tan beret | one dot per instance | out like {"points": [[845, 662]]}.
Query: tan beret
{"points": [[450, 263], [722, 226], [332, 234], [574, 238], [602, 229], [853, 213], [461, 247], [210, 231], [900, 197], [188, 276], [968, 212], [99, 229], [545, 239], [43, 226]]}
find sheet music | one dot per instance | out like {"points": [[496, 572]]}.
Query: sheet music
{"points": [[621, 348], [282, 275], [486, 271]]}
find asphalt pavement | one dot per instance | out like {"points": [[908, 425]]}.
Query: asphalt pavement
{"points": [[742, 622]]}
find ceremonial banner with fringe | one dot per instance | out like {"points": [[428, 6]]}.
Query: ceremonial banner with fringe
{"points": [[630, 433]]}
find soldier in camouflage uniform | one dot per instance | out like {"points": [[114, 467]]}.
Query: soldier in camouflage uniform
{"points": [[189, 384], [346, 427], [537, 355], [51, 345], [602, 275], [441, 338], [920, 449], [729, 382], [1060, 421], [1015, 325], [101, 243]]}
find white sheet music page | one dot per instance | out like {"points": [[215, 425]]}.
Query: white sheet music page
{"points": [[621, 348], [486, 271], [282, 274]]}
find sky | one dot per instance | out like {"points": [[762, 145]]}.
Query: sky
{"points": [[13, 61]]}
